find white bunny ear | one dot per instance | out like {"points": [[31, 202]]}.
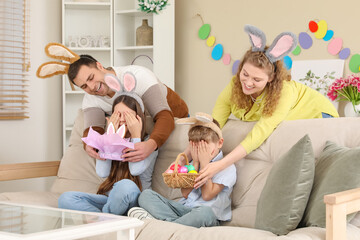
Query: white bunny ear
{"points": [[121, 131], [110, 129], [257, 38], [189, 120], [113, 82], [50, 69], [129, 81], [59, 51], [283, 44], [203, 117]]}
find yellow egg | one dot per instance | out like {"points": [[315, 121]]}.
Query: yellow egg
{"points": [[193, 171]]}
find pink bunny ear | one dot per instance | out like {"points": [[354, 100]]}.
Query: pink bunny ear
{"points": [[113, 82], [110, 129], [121, 131], [282, 46], [257, 38], [129, 82]]}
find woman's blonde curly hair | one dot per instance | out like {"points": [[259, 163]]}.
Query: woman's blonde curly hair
{"points": [[273, 88]]}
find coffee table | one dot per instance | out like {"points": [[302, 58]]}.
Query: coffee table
{"points": [[20, 221]]}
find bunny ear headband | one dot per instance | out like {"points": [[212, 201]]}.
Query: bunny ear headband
{"points": [[124, 89], [60, 52], [283, 44], [201, 119]]}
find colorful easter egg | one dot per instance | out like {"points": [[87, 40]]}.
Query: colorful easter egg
{"points": [[204, 31], [190, 167], [335, 46], [169, 171], [305, 40], [321, 32], [172, 167], [210, 41], [313, 26], [193, 171], [217, 52], [329, 34], [287, 62], [235, 67], [296, 51], [344, 54], [226, 59], [183, 169], [354, 63]]}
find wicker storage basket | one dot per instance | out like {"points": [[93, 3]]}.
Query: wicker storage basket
{"points": [[180, 180]]}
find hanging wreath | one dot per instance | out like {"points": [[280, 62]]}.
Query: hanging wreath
{"points": [[152, 6]]}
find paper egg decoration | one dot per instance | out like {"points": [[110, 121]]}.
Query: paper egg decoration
{"points": [[344, 54], [235, 67], [354, 63], [313, 27], [296, 51], [217, 52], [226, 59], [335, 46], [321, 32], [305, 40], [210, 41], [287, 62], [204, 31], [329, 34]]}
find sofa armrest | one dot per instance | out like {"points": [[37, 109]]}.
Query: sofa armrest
{"points": [[28, 170], [338, 205]]}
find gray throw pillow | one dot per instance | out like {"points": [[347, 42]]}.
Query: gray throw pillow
{"points": [[287, 189], [336, 170]]}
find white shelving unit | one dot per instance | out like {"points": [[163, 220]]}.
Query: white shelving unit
{"points": [[84, 21], [117, 20]]}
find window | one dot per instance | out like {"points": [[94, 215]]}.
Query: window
{"points": [[14, 58]]}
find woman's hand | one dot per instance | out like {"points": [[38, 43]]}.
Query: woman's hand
{"points": [[134, 124], [207, 173], [114, 119]]}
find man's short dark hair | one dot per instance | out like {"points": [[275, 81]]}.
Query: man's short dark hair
{"points": [[75, 66]]}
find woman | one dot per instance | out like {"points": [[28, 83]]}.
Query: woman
{"points": [[263, 91]]}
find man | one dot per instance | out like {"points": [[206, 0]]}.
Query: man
{"points": [[160, 102]]}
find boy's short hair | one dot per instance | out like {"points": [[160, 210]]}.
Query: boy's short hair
{"points": [[198, 133]]}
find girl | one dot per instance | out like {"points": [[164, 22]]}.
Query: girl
{"points": [[263, 91], [125, 180]]}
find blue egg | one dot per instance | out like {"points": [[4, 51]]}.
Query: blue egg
{"points": [[217, 52], [288, 62], [329, 34]]}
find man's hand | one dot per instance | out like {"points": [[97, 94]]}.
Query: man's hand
{"points": [[92, 152], [142, 150]]}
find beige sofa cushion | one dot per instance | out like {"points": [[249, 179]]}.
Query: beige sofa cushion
{"points": [[252, 171]]}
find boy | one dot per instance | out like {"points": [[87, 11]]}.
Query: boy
{"points": [[205, 206]]}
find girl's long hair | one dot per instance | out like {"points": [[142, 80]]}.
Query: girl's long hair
{"points": [[120, 170], [275, 71]]}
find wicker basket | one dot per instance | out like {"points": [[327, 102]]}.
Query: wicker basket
{"points": [[180, 180]]}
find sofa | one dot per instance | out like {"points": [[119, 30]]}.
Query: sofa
{"points": [[76, 172]]}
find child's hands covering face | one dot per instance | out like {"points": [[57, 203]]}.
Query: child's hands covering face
{"points": [[204, 153], [194, 154], [134, 124], [115, 120]]}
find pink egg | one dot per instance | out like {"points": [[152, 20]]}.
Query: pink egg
{"points": [[183, 170], [169, 171]]}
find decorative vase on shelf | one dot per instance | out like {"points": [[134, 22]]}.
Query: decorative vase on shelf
{"points": [[351, 110], [144, 34]]}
